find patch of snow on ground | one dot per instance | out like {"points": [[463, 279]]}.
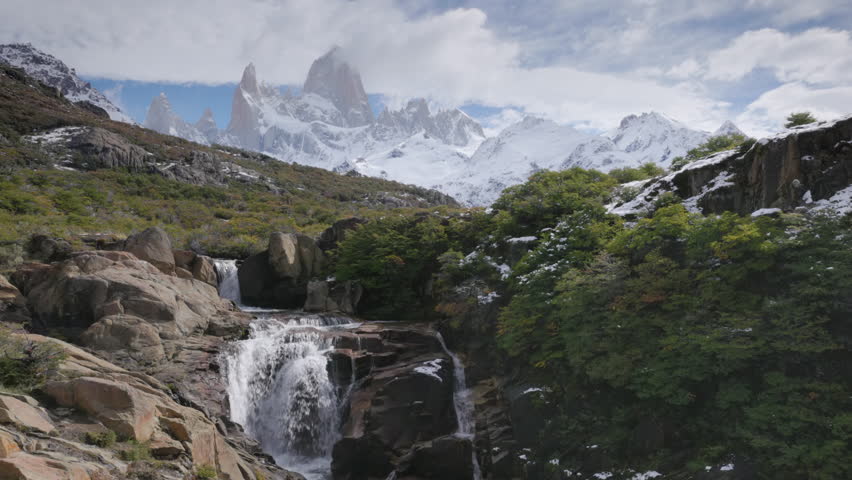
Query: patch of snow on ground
{"points": [[647, 475], [522, 239], [603, 475], [726, 468], [840, 202], [54, 136], [488, 298], [430, 368], [765, 211], [532, 390]]}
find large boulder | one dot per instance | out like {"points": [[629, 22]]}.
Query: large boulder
{"points": [[13, 305], [122, 335], [296, 256], [327, 296], [103, 149], [47, 249], [196, 266], [22, 414], [154, 246], [278, 277]]}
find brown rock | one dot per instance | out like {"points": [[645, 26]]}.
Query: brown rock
{"points": [[184, 258], [154, 246], [296, 256], [24, 415], [120, 407], [125, 334], [23, 466], [204, 269], [183, 273], [8, 445]]}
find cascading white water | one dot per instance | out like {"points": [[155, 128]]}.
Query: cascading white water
{"points": [[463, 403], [280, 392], [229, 283]]}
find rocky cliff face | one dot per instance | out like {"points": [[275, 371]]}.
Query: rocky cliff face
{"points": [[145, 312], [808, 167]]}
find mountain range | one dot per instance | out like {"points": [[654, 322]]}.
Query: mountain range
{"points": [[330, 124]]}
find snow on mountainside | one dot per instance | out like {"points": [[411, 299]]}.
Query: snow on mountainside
{"points": [[526, 147], [51, 71], [330, 125], [654, 137]]}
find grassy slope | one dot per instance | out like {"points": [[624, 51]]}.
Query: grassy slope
{"points": [[233, 220]]}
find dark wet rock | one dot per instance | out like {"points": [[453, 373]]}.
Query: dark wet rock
{"points": [[787, 171], [47, 249], [331, 237], [328, 296]]}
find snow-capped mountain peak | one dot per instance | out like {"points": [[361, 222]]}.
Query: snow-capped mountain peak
{"points": [[728, 128], [51, 71], [654, 137], [333, 78]]}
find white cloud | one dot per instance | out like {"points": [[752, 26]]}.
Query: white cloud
{"points": [[766, 115], [817, 56], [453, 56], [114, 95], [494, 124]]}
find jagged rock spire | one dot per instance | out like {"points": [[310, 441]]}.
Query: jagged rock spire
{"points": [[331, 77]]}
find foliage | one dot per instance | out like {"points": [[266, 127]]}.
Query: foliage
{"points": [[725, 331], [643, 172], [529, 207], [799, 118], [101, 439], [135, 451], [719, 143], [26, 364], [206, 472]]}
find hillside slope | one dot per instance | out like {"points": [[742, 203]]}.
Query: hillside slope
{"points": [[68, 171]]}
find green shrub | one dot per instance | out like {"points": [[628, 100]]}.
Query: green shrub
{"points": [[206, 472], [135, 451], [101, 439], [26, 364], [799, 118]]}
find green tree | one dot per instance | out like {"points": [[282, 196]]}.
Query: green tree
{"points": [[799, 118], [716, 144]]}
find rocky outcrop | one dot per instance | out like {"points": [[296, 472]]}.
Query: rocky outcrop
{"points": [[401, 409], [295, 256], [101, 148], [130, 312], [804, 167], [154, 246], [199, 267], [47, 249], [88, 394], [13, 305], [279, 276]]}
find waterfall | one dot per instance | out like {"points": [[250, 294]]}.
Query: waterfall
{"points": [[463, 403], [229, 283], [280, 391]]}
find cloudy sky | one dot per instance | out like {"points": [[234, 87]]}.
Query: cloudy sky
{"points": [[581, 62]]}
